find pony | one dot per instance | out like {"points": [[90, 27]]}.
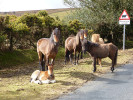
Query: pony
{"points": [[96, 39], [101, 51], [48, 48], [40, 77], [73, 44]]}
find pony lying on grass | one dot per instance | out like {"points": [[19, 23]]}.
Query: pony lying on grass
{"points": [[40, 77], [101, 51]]}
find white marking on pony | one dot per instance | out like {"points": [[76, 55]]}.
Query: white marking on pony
{"points": [[46, 81], [52, 81]]}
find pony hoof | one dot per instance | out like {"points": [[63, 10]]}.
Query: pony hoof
{"points": [[94, 71], [112, 69], [75, 63]]}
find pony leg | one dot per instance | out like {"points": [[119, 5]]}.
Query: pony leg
{"points": [[81, 56], [114, 60], [70, 57], [66, 55], [42, 63], [47, 62], [75, 57], [52, 61], [94, 64], [97, 61], [112, 68], [100, 63], [78, 58]]}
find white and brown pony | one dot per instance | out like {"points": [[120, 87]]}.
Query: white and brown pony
{"points": [[40, 77], [101, 51], [47, 48]]}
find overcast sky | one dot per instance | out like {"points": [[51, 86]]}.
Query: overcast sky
{"points": [[22, 5]]}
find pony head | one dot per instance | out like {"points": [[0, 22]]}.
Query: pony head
{"points": [[84, 45], [50, 70], [85, 33], [56, 35], [81, 34]]}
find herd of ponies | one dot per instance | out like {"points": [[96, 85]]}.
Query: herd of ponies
{"points": [[47, 48]]}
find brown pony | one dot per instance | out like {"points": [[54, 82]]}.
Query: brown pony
{"points": [[96, 39], [101, 51], [73, 44], [48, 48]]}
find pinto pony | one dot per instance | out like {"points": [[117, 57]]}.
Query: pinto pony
{"points": [[73, 44], [48, 48], [40, 77], [96, 39], [101, 51]]}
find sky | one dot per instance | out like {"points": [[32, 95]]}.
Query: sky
{"points": [[23, 5]]}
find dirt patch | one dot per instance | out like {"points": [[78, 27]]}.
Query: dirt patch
{"points": [[15, 85]]}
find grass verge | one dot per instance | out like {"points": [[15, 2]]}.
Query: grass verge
{"points": [[14, 58], [15, 85], [17, 57]]}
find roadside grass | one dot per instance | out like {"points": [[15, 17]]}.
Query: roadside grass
{"points": [[15, 85], [17, 57]]}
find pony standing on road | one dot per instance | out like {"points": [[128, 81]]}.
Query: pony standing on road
{"points": [[73, 44], [48, 48], [101, 51]]}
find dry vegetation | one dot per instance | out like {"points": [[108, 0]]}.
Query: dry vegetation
{"points": [[15, 85]]}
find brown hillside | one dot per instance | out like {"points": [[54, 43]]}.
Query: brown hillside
{"points": [[50, 11]]}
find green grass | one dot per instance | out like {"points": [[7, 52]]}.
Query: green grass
{"points": [[15, 85], [61, 53], [61, 15], [17, 57]]}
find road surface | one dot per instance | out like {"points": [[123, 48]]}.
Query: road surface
{"points": [[110, 86]]}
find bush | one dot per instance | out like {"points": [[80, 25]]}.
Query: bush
{"points": [[2, 39]]}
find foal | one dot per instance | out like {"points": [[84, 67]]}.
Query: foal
{"points": [[101, 51], [40, 77]]}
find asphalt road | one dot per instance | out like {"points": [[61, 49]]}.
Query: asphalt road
{"points": [[110, 86]]}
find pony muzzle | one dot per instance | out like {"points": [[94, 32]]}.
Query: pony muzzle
{"points": [[56, 43], [85, 36], [56, 39], [81, 37]]}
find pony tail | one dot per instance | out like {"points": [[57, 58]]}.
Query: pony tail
{"points": [[115, 59]]}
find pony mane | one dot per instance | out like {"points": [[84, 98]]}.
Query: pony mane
{"points": [[91, 44], [71, 35]]}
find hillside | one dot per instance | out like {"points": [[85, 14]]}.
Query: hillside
{"points": [[50, 11]]}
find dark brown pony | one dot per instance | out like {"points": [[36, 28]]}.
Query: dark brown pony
{"points": [[96, 39], [48, 48], [73, 44], [101, 51]]}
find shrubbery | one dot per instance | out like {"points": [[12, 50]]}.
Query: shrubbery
{"points": [[24, 31]]}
